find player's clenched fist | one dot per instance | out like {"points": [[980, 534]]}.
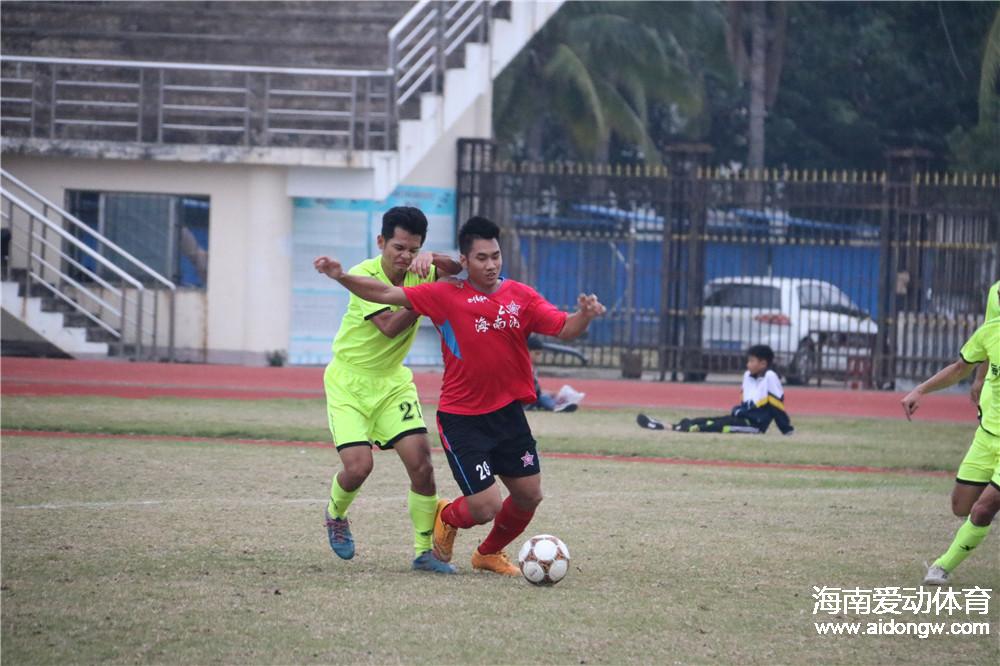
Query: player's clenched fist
{"points": [[329, 267], [421, 264], [910, 403], [589, 305]]}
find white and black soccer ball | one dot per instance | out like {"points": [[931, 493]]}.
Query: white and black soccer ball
{"points": [[544, 560]]}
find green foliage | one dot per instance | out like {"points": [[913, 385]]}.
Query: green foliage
{"points": [[862, 78], [599, 72], [619, 80], [978, 149]]}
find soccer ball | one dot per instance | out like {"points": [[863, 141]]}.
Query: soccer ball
{"points": [[544, 560]]}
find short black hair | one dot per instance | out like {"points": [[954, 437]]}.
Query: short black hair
{"points": [[763, 352], [409, 218], [476, 227]]}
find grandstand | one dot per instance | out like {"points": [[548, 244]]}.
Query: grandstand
{"points": [[269, 34], [290, 124]]}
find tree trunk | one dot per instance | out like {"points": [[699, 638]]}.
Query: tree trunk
{"points": [[758, 83], [534, 139], [602, 154]]}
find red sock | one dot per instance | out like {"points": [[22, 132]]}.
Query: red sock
{"points": [[507, 524], [457, 514]]}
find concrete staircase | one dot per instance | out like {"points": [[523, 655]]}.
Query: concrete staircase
{"points": [[463, 86], [68, 287], [40, 324]]}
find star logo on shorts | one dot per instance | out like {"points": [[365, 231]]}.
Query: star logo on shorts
{"points": [[528, 459]]}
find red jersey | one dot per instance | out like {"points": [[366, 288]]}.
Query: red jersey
{"points": [[484, 341]]}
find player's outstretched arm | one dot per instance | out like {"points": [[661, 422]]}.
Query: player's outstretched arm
{"points": [[976, 390], [367, 288], [944, 378], [391, 324], [588, 308], [445, 265]]}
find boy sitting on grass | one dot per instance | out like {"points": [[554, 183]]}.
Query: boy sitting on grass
{"points": [[763, 402]]}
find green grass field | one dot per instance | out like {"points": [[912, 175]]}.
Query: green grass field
{"points": [[205, 551]]}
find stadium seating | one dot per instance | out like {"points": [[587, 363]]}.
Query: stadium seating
{"points": [[277, 34]]}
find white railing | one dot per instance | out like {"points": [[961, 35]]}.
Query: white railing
{"points": [[171, 103], [420, 43], [183, 103], [96, 278]]}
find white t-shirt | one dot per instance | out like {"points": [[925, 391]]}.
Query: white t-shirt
{"points": [[760, 390]]}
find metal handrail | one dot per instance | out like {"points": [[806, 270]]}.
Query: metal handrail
{"points": [[66, 299], [76, 222], [407, 19], [164, 102], [97, 320], [419, 45], [100, 301], [83, 269], [152, 64], [73, 240], [66, 230], [39, 277], [420, 42]]}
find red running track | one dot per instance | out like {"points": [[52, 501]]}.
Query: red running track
{"points": [[44, 377]]}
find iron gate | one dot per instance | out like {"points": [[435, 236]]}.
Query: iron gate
{"points": [[849, 276]]}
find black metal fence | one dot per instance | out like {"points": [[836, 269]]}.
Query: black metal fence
{"points": [[853, 277]]}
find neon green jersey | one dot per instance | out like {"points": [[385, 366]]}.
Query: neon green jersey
{"points": [[359, 343], [992, 312], [984, 347], [993, 302]]}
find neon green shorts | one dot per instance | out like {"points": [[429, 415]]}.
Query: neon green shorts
{"points": [[981, 464], [365, 408]]}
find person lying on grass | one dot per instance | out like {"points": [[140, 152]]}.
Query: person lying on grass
{"points": [[763, 402]]}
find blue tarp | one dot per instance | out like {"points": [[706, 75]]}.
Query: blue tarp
{"points": [[566, 266]]}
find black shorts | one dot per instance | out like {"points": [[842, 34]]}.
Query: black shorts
{"points": [[482, 445]]}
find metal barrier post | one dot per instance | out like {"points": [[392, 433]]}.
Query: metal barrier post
{"points": [[137, 354], [437, 80], [173, 326], [27, 264]]}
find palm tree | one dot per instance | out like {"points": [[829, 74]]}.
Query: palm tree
{"points": [[978, 149], [597, 69], [755, 37], [989, 78]]}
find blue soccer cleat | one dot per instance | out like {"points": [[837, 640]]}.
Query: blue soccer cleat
{"points": [[338, 531], [427, 562]]}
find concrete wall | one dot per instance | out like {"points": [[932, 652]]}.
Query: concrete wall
{"points": [[437, 168], [346, 228], [244, 311]]}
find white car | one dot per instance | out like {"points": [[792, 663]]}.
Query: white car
{"points": [[814, 328]]}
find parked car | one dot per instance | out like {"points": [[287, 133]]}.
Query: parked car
{"points": [[814, 328]]}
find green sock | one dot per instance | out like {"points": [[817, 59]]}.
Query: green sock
{"points": [[340, 499], [966, 539], [422, 510]]}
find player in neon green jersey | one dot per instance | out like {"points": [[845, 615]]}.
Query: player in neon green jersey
{"points": [[370, 395], [992, 312], [977, 483]]}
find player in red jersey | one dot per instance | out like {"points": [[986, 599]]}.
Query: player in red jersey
{"points": [[484, 322]]}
